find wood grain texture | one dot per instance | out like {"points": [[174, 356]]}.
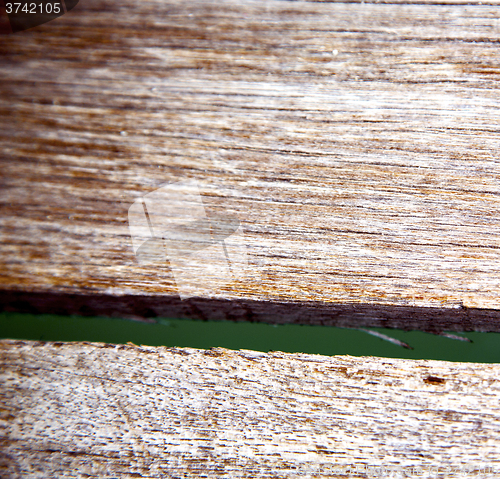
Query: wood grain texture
{"points": [[100, 411], [356, 143]]}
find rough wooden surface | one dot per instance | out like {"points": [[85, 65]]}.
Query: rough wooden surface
{"points": [[357, 144], [100, 411]]}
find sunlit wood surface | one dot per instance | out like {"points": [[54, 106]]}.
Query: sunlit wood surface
{"points": [[100, 410], [356, 143]]}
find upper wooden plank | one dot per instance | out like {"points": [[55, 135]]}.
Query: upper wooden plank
{"points": [[356, 143]]}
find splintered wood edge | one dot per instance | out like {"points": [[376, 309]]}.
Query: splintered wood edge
{"points": [[102, 410]]}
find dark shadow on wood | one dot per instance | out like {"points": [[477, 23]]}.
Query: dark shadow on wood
{"points": [[346, 315]]}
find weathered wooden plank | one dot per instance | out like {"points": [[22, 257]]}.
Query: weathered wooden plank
{"points": [[356, 144], [100, 410]]}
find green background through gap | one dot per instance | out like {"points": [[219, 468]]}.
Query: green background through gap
{"points": [[257, 336]]}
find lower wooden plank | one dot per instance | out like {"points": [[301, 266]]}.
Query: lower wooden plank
{"points": [[101, 411]]}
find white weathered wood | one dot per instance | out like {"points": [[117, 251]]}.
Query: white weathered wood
{"points": [[100, 411], [357, 143]]}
